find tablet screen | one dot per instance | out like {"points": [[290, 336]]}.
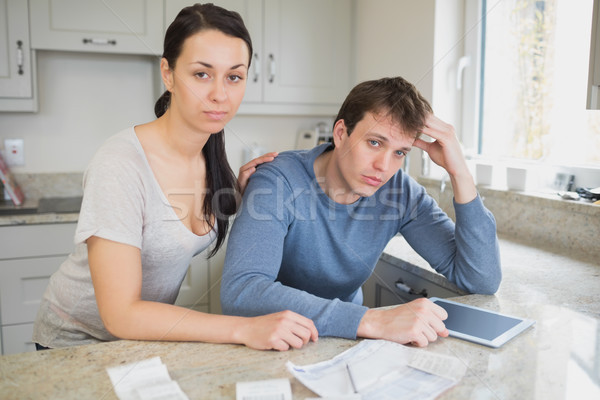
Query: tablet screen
{"points": [[474, 322], [480, 326]]}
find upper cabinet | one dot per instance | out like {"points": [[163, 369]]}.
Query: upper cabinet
{"points": [[593, 95], [302, 53], [108, 26], [17, 68]]}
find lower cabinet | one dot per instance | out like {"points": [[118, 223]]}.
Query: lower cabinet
{"points": [[32, 253], [396, 281]]}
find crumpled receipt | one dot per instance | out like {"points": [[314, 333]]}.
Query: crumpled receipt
{"points": [[379, 369]]}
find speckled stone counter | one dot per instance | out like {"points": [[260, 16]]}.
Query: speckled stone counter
{"points": [[555, 359], [37, 186], [533, 275]]}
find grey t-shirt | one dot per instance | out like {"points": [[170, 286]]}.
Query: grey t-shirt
{"points": [[124, 203]]}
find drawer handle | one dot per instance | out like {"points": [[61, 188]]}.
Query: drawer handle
{"points": [[100, 41], [256, 68], [272, 68], [20, 57], [407, 289]]}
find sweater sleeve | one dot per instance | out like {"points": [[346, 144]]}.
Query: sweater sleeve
{"points": [[249, 285], [467, 253]]}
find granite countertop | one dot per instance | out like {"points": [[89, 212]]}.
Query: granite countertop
{"points": [[49, 198], [556, 358], [533, 274]]}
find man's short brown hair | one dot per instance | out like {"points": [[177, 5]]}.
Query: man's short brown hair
{"points": [[390, 97]]}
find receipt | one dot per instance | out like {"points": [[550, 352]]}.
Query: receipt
{"points": [[438, 364], [144, 380], [270, 389]]}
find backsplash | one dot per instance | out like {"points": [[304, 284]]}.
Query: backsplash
{"points": [[36, 186], [571, 228]]}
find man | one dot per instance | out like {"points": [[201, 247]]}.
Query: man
{"points": [[314, 223]]}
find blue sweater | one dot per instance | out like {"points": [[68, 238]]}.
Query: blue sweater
{"points": [[293, 248]]}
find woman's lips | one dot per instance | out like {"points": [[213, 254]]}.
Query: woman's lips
{"points": [[371, 180], [216, 115]]}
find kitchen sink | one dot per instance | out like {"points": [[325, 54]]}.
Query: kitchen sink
{"points": [[45, 205]]}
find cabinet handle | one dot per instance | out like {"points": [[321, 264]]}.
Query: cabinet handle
{"points": [[256, 68], [100, 41], [400, 285], [20, 57], [272, 68]]}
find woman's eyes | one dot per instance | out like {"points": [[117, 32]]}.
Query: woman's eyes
{"points": [[232, 78], [236, 78]]}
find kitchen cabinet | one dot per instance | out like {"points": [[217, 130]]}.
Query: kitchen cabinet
{"points": [[194, 292], [593, 93], [30, 254], [17, 61], [302, 54], [395, 281], [109, 26]]}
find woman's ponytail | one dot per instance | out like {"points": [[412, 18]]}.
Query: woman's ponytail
{"points": [[162, 104]]}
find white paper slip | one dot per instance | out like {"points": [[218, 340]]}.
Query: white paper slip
{"points": [[164, 391], [438, 364], [144, 380], [376, 369], [271, 389]]}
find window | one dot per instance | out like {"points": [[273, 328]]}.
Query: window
{"points": [[532, 85]]}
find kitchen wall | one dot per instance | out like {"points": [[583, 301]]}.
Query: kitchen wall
{"points": [[85, 98]]}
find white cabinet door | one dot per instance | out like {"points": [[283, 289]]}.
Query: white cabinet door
{"points": [[194, 292], [16, 75], [302, 53], [30, 254], [22, 285], [17, 339], [111, 26], [25, 241], [307, 50]]}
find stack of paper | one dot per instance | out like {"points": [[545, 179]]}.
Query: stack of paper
{"points": [[378, 369], [144, 380]]}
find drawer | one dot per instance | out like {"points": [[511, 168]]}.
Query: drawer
{"points": [[396, 282], [17, 339], [22, 285], [36, 240]]}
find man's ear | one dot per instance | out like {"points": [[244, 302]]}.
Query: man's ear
{"points": [[339, 132], [166, 73]]}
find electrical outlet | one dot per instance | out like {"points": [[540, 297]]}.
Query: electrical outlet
{"points": [[13, 152]]}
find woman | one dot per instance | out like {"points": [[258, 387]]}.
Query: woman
{"points": [[157, 194]]}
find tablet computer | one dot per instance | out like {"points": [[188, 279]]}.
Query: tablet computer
{"points": [[481, 326]]}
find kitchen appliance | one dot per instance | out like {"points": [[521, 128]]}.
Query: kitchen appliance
{"points": [[309, 138]]}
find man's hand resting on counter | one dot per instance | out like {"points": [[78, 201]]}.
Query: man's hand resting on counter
{"points": [[418, 322]]}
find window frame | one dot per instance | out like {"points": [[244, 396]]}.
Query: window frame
{"points": [[471, 132]]}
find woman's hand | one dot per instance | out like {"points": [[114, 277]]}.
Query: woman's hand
{"points": [[278, 331], [248, 169]]}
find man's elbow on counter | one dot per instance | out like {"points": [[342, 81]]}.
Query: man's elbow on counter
{"points": [[488, 286]]}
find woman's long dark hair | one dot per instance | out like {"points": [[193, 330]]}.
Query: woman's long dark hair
{"points": [[222, 192]]}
